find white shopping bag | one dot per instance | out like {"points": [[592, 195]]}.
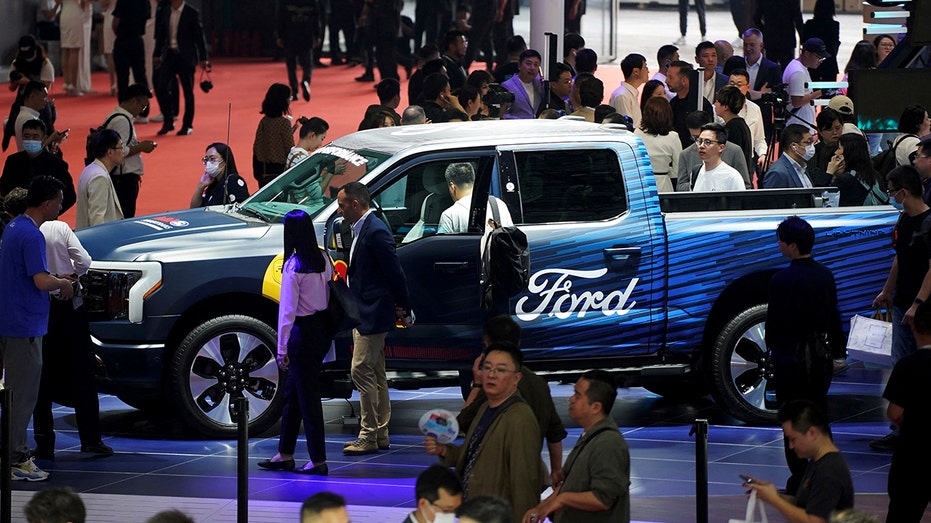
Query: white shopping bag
{"points": [[752, 504], [870, 339]]}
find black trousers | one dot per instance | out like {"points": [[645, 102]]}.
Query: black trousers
{"points": [[341, 19], [794, 381], [684, 16], [383, 26], [129, 54], [127, 190], [483, 23], [307, 346], [295, 55], [172, 71], [67, 374]]}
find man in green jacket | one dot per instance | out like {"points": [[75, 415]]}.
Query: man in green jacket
{"points": [[501, 453], [596, 488]]}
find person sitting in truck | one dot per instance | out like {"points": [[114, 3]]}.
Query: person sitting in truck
{"points": [[690, 163], [715, 175], [455, 219], [220, 183], [791, 169]]}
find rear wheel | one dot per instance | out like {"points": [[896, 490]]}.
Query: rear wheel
{"points": [[219, 360], [740, 374]]}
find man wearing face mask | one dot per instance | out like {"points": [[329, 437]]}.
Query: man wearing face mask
{"points": [[791, 169], [220, 183], [439, 494], [35, 160], [127, 177]]}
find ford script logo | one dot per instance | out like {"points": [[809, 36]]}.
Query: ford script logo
{"points": [[553, 288]]}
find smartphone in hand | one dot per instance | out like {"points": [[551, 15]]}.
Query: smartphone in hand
{"points": [[747, 479]]}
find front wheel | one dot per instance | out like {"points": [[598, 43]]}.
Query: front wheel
{"points": [[219, 360], [741, 379]]}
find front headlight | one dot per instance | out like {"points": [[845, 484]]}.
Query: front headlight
{"points": [[116, 291]]}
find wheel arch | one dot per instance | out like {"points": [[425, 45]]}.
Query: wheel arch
{"points": [[246, 304], [741, 294]]}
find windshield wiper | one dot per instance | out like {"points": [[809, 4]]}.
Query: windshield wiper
{"points": [[248, 211]]}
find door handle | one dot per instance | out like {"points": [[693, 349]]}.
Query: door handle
{"points": [[618, 257], [451, 266], [621, 253]]}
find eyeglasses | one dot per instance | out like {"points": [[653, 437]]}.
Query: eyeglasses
{"points": [[206, 159], [892, 192], [922, 156], [806, 143], [117, 147], [495, 371], [705, 142]]}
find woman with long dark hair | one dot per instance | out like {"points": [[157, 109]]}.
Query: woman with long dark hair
{"points": [[304, 335], [220, 183], [650, 89], [275, 135], [852, 172]]}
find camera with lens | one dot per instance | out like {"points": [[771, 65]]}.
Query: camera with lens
{"points": [[497, 95], [778, 98]]}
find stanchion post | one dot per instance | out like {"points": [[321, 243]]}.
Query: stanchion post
{"points": [[700, 430], [6, 496], [242, 460]]}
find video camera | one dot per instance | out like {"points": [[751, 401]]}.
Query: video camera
{"points": [[497, 95], [778, 99]]}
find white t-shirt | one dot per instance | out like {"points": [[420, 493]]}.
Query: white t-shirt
{"points": [[796, 75], [721, 178]]}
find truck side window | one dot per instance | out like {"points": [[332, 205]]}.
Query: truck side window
{"points": [[413, 202], [570, 185]]}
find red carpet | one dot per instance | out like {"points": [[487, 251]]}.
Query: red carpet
{"points": [[230, 109]]}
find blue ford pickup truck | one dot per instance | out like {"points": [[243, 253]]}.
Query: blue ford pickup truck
{"points": [[667, 289]]}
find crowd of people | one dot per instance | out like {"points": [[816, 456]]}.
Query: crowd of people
{"points": [[732, 144]]}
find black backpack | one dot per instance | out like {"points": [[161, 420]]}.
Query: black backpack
{"points": [[506, 260], [885, 161]]}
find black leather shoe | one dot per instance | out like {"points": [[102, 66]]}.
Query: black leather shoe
{"points": [[366, 78], [100, 448], [186, 131], [166, 128], [268, 464], [319, 470]]}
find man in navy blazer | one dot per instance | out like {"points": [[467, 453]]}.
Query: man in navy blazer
{"points": [[765, 74], [378, 283], [528, 73], [790, 171]]}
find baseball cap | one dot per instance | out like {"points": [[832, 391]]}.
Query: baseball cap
{"points": [[27, 43], [841, 104], [816, 45]]}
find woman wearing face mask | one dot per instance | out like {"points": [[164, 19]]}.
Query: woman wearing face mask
{"points": [[220, 184], [852, 172]]}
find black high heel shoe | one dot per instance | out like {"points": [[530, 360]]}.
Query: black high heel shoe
{"points": [[268, 464], [318, 470]]}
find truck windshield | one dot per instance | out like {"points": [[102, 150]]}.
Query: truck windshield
{"points": [[312, 184]]}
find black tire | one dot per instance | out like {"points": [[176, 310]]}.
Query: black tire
{"points": [[739, 374], [214, 362]]}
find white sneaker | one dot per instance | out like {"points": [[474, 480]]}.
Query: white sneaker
{"points": [[158, 118], [141, 119], [680, 41], [737, 44], [27, 471]]}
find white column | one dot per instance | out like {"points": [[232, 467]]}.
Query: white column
{"points": [[546, 16]]}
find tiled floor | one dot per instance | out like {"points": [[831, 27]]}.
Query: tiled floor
{"points": [[159, 465]]}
